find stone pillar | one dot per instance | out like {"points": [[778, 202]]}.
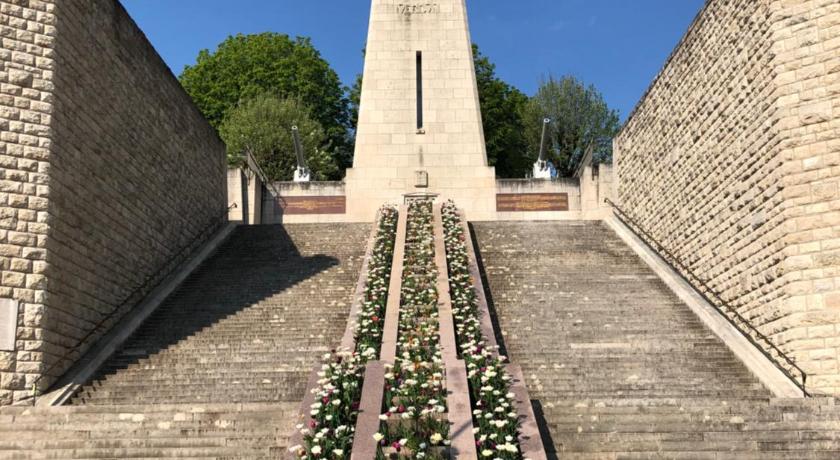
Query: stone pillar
{"points": [[419, 112], [236, 192], [588, 189], [254, 198], [245, 189], [606, 184]]}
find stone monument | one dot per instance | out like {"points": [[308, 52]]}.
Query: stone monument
{"points": [[419, 122]]}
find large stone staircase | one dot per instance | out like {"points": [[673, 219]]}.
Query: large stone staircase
{"points": [[220, 369], [620, 368]]}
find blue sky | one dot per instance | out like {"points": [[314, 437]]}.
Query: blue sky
{"points": [[617, 45]]}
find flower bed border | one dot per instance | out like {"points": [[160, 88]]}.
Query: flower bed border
{"points": [[457, 385], [530, 438], [373, 389]]}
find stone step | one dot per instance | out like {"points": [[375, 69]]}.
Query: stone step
{"points": [[139, 452], [247, 327], [151, 378], [179, 397], [620, 367], [115, 430], [695, 427], [702, 455], [248, 316], [746, 444], [69, 410]]}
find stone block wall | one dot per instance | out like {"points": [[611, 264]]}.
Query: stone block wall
{"points": [[708, 161], [26, 106], [109, 172], [807, 68]]}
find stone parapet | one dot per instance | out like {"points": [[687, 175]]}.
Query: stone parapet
{"points": [[515, 199], [302, 202]]}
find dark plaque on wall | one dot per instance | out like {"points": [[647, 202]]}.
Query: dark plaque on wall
{"points": [[532, 202], [296, 205]]}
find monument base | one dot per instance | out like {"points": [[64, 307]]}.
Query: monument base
{"points": [[473, 189]]}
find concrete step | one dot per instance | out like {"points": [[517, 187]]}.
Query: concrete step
{"points": [[620, 368], [153, 431], [220, 369], [247, 326]]}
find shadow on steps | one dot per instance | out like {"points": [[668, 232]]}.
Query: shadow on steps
{"points": [[497, 331], [228, 310]]}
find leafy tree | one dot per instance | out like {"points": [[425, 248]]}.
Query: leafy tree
{"points": [[580, 118], [263, 125], [502, 107], [246, 66], [355, 95]]}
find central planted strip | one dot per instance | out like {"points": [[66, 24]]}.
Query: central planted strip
{"points": [[419, 374], [414, 420]]}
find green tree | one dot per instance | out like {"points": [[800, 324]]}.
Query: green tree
{"points": [[502, 108], [580, 118], [355, 95], [263, 126], [245, 66]]}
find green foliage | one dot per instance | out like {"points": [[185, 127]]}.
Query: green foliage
{"points": [[263, 125], [355, 96], [246, 66], [580, 118], [502, 107]]}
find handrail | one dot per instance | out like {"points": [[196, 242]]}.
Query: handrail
{"points": [[253, 165], [143, 287], [718, 302], [585, 160]]}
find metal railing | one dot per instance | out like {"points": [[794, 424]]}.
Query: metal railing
{"points": [[151, 282], [779, 358], [252, 164], [585, 160]]}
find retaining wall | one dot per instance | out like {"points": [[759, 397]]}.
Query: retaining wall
{"points": [[109, 171], [731, 160], [516, 199]]}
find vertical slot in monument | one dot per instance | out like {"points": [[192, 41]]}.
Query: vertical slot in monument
{"points": [[419, 92], [419, 111]]}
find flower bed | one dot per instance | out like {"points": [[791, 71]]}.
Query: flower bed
{"points": [[336, 407], [494, 416], [414, 423]]}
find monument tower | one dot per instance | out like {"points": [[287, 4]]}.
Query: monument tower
{"points": [[420, 120]]}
